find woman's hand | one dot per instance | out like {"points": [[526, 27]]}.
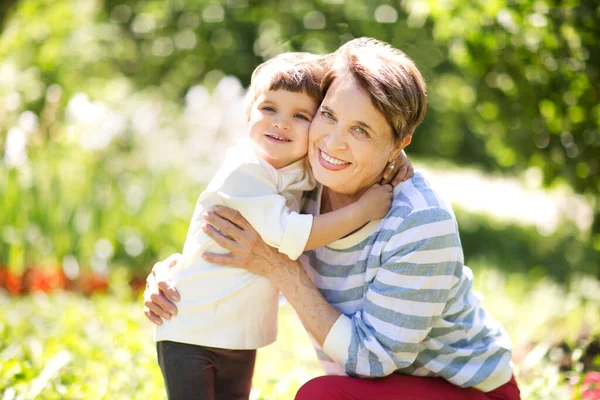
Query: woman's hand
{"points": [[402, 171], [248, 250], [159, 290]]}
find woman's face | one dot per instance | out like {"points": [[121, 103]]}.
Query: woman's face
{"points": [[350, 142]]}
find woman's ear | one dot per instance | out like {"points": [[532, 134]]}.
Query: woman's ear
{"points": [[400, 146], [406, 141]]}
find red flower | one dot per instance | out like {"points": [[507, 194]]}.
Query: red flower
{"points": [[43, 279], [137, 284], [590, 390], [14, 283], [93, 283]]}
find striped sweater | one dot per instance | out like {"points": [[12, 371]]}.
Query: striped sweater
{"points": [[406, 297]]}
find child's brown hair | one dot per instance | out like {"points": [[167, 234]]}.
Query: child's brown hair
{"points": [[294, 72]]}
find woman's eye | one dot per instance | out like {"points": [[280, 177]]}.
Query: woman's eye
{"points": [[327, 114], [360, 131]]}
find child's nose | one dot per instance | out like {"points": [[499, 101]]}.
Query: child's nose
{"points": [[281, 123]]}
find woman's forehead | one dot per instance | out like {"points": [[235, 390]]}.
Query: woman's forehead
{"points": [[345, 90], [347, 96]]}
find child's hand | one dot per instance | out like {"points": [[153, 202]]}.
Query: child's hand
{"points": [[402, 171], [376, 201]]}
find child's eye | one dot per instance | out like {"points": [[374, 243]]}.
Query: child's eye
{"points": [[268, 108], [302, 116]]}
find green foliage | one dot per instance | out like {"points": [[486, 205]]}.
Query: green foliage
{"points": [[106, 95], [552, 328], [511, 84], [68, 347], [558, 256], [530, 71], [64, 346], [524, 68], [82, 205]]}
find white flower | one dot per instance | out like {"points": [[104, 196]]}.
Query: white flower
{"points": [[96, 124], [28, 121], [15, 148]]}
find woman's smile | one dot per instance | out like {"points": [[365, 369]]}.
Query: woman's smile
{"points": [[332, 163]]}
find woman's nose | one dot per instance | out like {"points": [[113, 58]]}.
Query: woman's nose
{"points": [[336, 140]]}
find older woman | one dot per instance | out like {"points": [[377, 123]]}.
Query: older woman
{"points": [[392, 300]]}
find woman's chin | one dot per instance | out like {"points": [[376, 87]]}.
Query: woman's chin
{"points": [[337, 181]]}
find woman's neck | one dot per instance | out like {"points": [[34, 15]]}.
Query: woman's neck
{"points": [[331, 201]]}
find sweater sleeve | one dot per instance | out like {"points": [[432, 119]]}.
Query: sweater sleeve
{"points": [[251, 189], [408, 293]]}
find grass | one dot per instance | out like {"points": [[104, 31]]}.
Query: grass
{"points": [[65, 346]]}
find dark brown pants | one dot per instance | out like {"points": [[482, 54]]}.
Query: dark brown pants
{"points": [[205, 373]]}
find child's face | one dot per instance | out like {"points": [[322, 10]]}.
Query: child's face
{"points": [[278, 126]]}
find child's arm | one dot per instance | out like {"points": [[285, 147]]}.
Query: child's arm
{"points": [[329, 227], [250, 189]]}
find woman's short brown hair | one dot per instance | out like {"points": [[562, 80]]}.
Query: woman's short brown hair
{"points": [[393, 81], [294, 72]]}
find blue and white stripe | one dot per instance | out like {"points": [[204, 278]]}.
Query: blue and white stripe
{"points": [[408, 295]]}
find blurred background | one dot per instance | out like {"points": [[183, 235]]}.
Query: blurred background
{"points": [[115, 113]]}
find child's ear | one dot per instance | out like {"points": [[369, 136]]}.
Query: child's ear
{"points": [[248, 105]]}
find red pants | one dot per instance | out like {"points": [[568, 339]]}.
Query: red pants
{"points": [[398, 387]]}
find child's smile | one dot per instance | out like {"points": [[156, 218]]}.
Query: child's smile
{"points": [[279, 122]]}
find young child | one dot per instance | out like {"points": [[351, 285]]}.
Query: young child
{"points": [[208, 350]]}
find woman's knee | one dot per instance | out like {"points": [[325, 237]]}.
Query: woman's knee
{"points": [[322, 387]]}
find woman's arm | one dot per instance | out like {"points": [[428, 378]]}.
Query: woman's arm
{"points": [[250, 252], [160, 294], [395, 317]]}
